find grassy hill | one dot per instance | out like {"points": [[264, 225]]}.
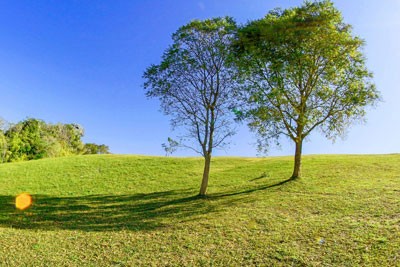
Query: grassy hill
{"points": [[136, 210]]}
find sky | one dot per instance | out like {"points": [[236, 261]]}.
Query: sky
{"points": [[82, 62]]}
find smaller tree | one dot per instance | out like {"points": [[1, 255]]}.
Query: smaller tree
{"points": [[72, 134], [171, 147], [194, 83], [91, 148], [3, 147]]}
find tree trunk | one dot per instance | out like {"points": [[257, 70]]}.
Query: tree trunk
{"points": [[206, 172], [297, 160]]}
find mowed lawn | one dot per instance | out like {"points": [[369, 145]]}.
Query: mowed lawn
{"points": [[143, 211]]}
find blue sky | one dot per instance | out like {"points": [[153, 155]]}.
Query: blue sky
{"points": [[82, 62]]}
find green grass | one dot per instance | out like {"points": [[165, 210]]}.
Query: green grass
{"points": [[143, 211]]}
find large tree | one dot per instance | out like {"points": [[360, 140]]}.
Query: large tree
{"points": [[193, 83], [303, 70]]}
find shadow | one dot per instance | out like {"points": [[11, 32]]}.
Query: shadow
{"points": [[260, 188], [137, 212], [104, 212], [263, 175]]}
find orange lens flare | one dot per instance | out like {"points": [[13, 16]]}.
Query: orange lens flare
{"points": [[23, 201]]}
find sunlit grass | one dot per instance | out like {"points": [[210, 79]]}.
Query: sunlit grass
{"points": [[143, 211]]}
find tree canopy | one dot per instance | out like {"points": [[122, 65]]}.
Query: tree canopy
{"points": [[303, 69]]}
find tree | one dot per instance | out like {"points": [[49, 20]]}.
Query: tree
{"points": [[303, 70], [3, 147], [64, 139], [25, 140], [193, 83], [3, 140], [72, 134], [91, 148], [171, 147]]}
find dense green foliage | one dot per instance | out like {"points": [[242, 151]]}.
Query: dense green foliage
{"points": [[303, 69], [91, 148], [35, 139], [107, 210]]}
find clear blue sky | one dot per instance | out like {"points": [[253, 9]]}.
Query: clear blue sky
{"points": [[82, 61]]}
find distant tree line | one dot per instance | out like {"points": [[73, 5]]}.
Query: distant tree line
{"points": [[35, 139]]}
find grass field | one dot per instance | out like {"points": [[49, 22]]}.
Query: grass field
{"points": [[142, 211]]}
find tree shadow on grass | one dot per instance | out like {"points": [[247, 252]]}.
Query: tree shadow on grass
{"points": [[103, 212], [255, 189], [135, 212]]}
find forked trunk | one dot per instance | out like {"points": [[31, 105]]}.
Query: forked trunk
{"points": [[206, 172], [297, 160]]}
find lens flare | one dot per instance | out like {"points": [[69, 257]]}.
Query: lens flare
{"points": [[23, 201]]}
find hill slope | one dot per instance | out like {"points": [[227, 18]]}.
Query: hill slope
{"points": [[135, 210]]}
